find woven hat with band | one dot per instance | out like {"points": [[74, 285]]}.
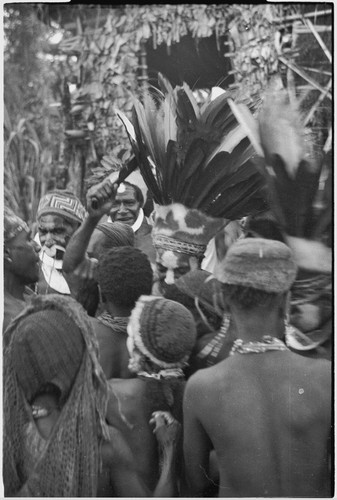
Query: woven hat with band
{"points": [[163, 330]]}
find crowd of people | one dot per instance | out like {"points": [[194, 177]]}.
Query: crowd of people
{"points": [[133, 366]]}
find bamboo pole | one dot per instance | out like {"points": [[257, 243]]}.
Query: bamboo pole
{"points": [[303, 75], [328, 142], [317, 103], [319, 39], [293, 17], [314, 70], [143, 77]]}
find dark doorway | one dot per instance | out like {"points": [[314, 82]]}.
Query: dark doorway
{"points": [[199, 63]]}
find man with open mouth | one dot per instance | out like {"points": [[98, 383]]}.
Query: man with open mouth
{"points": [[59, 214]]}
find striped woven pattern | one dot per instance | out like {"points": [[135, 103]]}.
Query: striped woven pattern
{"points": [[62, 203]]}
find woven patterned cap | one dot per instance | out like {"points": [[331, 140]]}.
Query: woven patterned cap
{"points": [[258, 263], [63, 203], [163, 330]]}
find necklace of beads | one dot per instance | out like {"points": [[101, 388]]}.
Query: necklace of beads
{"points": [[268, 343]]}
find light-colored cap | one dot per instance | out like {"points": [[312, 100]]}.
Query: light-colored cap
{"points": [[258, 263]]}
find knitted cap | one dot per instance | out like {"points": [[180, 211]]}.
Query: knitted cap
{"points": [[48, 348], [201, 284], [61, 202], [120, 234], [13, 225], [183, 230], [163, 330], [258, 263]]}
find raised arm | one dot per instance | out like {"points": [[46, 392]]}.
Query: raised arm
{"points": [[197, 445], [103, 194]]}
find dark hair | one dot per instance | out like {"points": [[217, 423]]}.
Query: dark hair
{"points": [[124, 274], [265, 226], [247, 298], [138, 192]]}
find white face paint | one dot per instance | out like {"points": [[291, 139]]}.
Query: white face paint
{"points": [[121, 188]]}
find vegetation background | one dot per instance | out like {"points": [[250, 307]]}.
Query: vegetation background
{"points": [[67, 67]]}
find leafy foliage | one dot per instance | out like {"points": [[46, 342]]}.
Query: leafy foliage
{"points": [[99, 56]]}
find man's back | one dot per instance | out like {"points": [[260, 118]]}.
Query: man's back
{"points": [[113, 353], [268, 417]]}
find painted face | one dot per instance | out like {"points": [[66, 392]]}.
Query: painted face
{"points": [[55, 230], [171, 265], [126, 207], [23, 252]]}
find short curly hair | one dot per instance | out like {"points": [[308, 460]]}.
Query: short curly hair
{"points": [[247, 298], [124, 274]]}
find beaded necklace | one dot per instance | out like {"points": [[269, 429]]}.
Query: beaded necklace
{"points": [[212, 349], [117, 323], [268, 343]]}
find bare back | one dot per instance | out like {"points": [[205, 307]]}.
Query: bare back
{"points": [[113, 353], [129, 411], [268, 417]]}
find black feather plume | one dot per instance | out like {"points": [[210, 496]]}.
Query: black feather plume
{"points": [[197, 156]]}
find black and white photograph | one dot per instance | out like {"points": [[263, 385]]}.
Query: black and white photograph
{"points": [[167, 247]]}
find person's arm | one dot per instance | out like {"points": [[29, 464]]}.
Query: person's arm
{"points": [[167, 431], [124, 477], [197, 445], [103, 194]]}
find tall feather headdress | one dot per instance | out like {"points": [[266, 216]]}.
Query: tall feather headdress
{"points": [[302, 207], [195, 160]]}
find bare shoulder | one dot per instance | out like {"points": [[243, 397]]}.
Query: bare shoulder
{"points": [[318, 369], [205, 383]]}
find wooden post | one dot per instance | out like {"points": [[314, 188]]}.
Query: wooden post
{"points": [[143, 77]]}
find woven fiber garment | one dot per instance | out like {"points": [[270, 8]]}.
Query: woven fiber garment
{"points": [[67, 464]]}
